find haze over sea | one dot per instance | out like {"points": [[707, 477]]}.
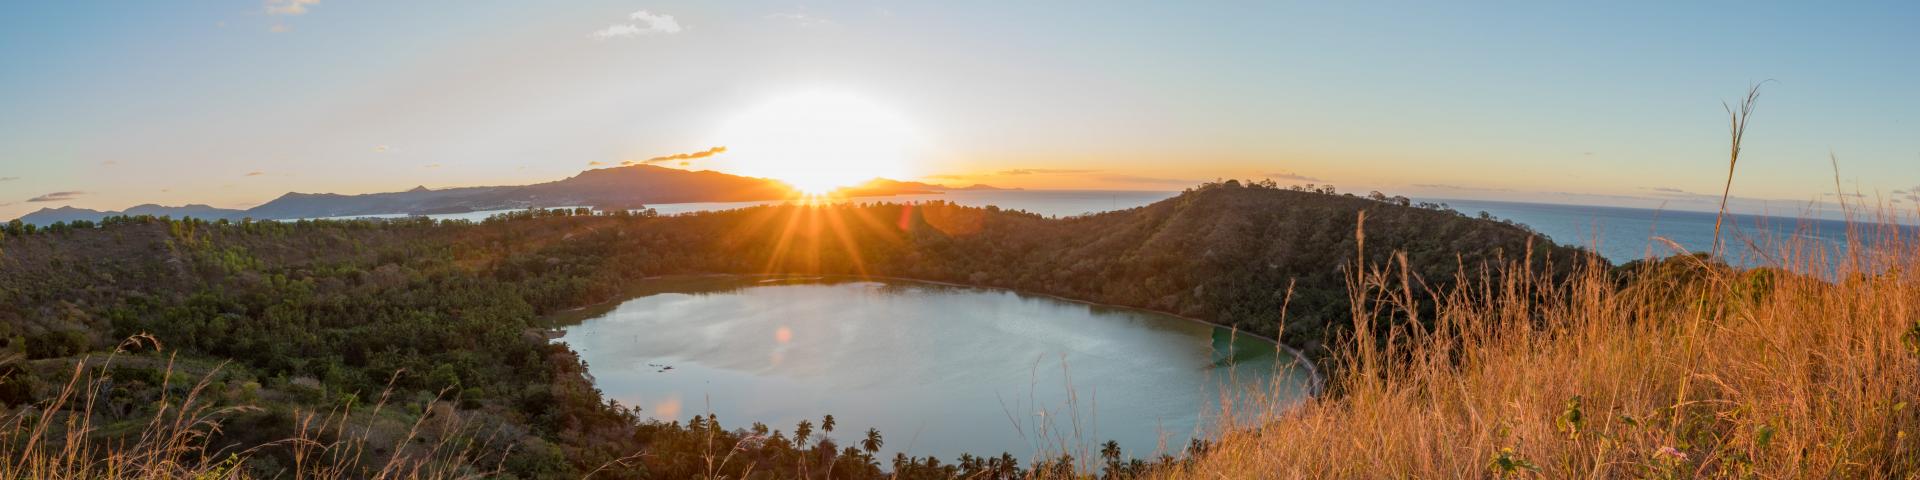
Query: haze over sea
{"points": [[1621, 234]]}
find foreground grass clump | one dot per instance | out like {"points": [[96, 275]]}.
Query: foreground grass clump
{"points": [[1675, 368], [64, 437]]}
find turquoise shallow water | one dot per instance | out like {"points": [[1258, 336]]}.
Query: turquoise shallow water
{"points": [[940, 370]]}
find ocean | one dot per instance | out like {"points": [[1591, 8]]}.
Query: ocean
{"points": [[1618, 233]]}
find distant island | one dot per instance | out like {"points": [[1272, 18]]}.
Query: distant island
{"points": [[616, 188]]}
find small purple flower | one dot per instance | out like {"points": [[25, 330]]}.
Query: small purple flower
{"points": [[1672, 452]]}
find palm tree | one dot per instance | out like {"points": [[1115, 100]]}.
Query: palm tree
{"points": [[826, 427], [800, 434], [873, 442], [1111, 452], [968, 465]]}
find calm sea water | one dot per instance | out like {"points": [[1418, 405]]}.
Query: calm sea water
{"points": [[940, 370], [1052, 203], [1620, 234], [1626, 234]]}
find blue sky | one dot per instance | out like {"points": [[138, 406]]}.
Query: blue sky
{"points": [[234, 103]]}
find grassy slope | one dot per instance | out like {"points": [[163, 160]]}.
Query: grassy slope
{"points": [[1689, 370]]}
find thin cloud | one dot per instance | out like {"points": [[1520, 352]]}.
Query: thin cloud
{"points": [[687, 156], [1669, 190], [57, 196], [8, 179], [596, 163], [256, 173], [1443, 186], [289, 7], [949, 176], [436, 165], [1040, 171], [381, 148], [1291, 176], [1116, 178], [645, 23], [802, 19]]}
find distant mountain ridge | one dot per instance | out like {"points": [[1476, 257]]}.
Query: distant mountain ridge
{"points": [[47, 216], [624, 187]]}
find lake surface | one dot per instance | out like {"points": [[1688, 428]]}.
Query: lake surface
{"points": [[940, 370]]}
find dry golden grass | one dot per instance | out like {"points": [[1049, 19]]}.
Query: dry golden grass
{"points": [[1695, 370]]}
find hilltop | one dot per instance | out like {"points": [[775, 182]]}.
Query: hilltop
{"points": [[624, 187]]}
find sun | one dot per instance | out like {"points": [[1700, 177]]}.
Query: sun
{"points": [[818, 141]]}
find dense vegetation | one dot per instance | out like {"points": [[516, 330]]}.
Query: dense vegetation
{"points": [[379, 326]]}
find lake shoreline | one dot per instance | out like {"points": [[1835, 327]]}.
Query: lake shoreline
{"points": [[1317, 384]]}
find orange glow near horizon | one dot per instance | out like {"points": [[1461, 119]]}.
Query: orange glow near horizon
{"points": [[819, 141]]}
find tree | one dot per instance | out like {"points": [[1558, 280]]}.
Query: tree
{"points": [[1111, 452], [826, 424], [873, 442], [802, 431]]}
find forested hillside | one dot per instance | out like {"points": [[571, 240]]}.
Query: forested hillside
{"points": [[333, 316]]}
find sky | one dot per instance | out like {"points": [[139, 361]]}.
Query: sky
{"points": [[106, 105]]}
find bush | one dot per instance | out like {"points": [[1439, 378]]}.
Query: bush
{"points": [[56, 344]]}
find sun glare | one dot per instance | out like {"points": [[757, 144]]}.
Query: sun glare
{"points": [[819, 141]]}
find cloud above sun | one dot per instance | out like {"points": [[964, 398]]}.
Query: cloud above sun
{"points": [[643, 23], [682, 158], [687, 156], [57, 196]]}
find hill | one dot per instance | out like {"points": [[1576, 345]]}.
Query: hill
{"points": [[613, 188], [48, 216], [316, 315], [625, 187]]}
